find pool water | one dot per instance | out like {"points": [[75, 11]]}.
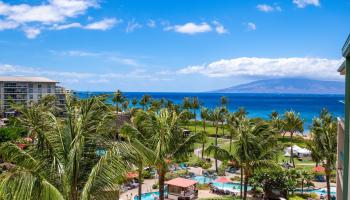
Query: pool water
{"points": [[203, 179], [225, 186], [149, 196], [322, 191]]}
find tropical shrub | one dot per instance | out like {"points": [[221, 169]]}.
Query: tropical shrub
{"points": [[147, 174], [155, 186], [203, 186], [11, 133]]}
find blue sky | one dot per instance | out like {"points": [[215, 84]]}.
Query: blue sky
{"points": [[172, 45]]}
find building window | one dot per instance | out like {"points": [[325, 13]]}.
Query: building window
{"points": [[31, 96], [10, 84]]}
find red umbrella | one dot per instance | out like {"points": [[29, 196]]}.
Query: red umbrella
{"points": [[319, 169], [223, 180], [131, 175]]}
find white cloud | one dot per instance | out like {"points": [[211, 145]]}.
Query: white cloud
{"points": [[50, 13], [268, 8], [132, 25], [67, 26], [151, 23], [8, 25], [190, 28], [320, 68], [32, 33], [219, 28], [103, 25], [304, 3], [251, 26]]}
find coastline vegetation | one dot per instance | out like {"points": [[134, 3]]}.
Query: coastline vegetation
{"points": [[87, 152]]}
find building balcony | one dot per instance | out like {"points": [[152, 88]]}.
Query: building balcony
{"points": [[346, 47], [340, 147]]}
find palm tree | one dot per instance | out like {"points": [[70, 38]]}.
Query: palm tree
{"points": [[204, 116], [134, 102], [216, 116], [118, 99], [162, 140], [68, 166], [133, 132], [145, 100], [276, 121], [304, 176], [223, 119], [195, 107], [232, 121], [324, 143], [255, 147], [292, 124], [125, 105], [156, 105], [223, 101]]}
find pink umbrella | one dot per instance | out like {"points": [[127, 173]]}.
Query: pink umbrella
{"points": [[223, 180]]}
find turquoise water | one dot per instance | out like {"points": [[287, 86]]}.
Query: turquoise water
{"points": [[148, 196], [203, 179], [257, 105], [322, 191], [225, 186]]}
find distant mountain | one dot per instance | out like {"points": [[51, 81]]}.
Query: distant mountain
{"points": [[288, 85]]}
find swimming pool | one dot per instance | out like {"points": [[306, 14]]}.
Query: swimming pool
{"points": [[322, 191], [225, 186], [203, 179], [149, 196]]}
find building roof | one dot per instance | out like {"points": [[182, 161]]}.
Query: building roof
{"points": [[181, 182], [26, 79], [346, 47], [342, 69]]}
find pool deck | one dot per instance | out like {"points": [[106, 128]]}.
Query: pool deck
{"points": [[146, 187]]}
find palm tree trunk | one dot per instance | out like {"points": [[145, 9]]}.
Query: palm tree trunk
{"points": [[246, 178], [223, 128], [241, 189], [203, 145], [116, 123], [230, 142], [195, 121], [302, 186], [216, 144], [161, 180], [328, 184], [74, 186], [140, 181], [291, 150]]}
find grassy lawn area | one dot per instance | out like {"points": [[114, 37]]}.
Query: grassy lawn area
{"points": [[209, 128], [211, 140]]}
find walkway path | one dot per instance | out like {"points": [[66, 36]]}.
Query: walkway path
{"points": [[146, 187], [198, 153]]}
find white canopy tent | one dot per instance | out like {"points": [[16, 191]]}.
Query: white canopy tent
{"points": [[297, 151]]}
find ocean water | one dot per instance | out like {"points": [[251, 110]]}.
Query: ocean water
{"points": [[257, 105]]}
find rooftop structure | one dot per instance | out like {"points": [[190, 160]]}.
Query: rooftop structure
{"points": [[27, 79], [343, 154], [23, 90], [181, 188]]}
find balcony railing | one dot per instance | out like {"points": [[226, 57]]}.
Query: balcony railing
{"points": [[340, 147], [346, 45]]}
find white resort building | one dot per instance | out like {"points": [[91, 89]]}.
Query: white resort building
{"points": [[22, 90]]}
